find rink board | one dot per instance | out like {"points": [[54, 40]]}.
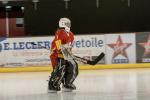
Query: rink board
{"points": [[81, 67]]}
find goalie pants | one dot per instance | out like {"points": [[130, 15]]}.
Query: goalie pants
{"points": [[65, 71]]}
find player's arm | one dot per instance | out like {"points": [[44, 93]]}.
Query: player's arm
{"points": [[65, 49], [61, 45]]}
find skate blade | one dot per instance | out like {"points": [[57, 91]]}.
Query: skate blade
{"points": [[67, 90], [52, 91]]}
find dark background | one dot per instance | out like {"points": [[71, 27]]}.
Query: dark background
{"points": [[112, 16]]}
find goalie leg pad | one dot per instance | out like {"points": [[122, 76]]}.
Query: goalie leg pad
{"points": [[58, 73], [71, 72]]}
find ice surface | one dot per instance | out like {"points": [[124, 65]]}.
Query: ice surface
{"points": [[116, 84]]}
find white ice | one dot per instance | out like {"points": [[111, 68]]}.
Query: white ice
{"points": [[115, 84]]}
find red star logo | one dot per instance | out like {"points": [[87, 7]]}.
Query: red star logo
{"points": [[119, 47], [146, 45]]}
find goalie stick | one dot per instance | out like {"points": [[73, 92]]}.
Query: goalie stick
{"points": [[90, 62], [86, 61], [83, 60]]}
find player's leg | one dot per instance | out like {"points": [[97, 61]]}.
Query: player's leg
{"points": [[70, 75], [53, 59], [57, 75]]}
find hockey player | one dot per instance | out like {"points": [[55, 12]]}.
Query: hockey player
{"points": [[65, 68]]}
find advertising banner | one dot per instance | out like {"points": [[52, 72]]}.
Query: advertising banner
{"points": [[21, 52], [89, 46], [143, 47], [120, 48]]}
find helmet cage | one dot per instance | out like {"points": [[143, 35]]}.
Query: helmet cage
{"points": [[64, 22]]}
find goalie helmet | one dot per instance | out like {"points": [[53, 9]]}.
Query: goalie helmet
{"points": [[65, 23]]}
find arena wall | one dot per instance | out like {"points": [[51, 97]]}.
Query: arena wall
{"points": [[128, 50]]}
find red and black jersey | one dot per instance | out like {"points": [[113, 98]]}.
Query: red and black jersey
{"points": [[61, 38]]}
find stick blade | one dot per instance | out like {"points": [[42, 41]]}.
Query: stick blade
{"points": [[94, 62]]}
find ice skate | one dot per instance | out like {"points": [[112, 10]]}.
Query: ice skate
{"points": [[69, 87], [52, 88]]}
